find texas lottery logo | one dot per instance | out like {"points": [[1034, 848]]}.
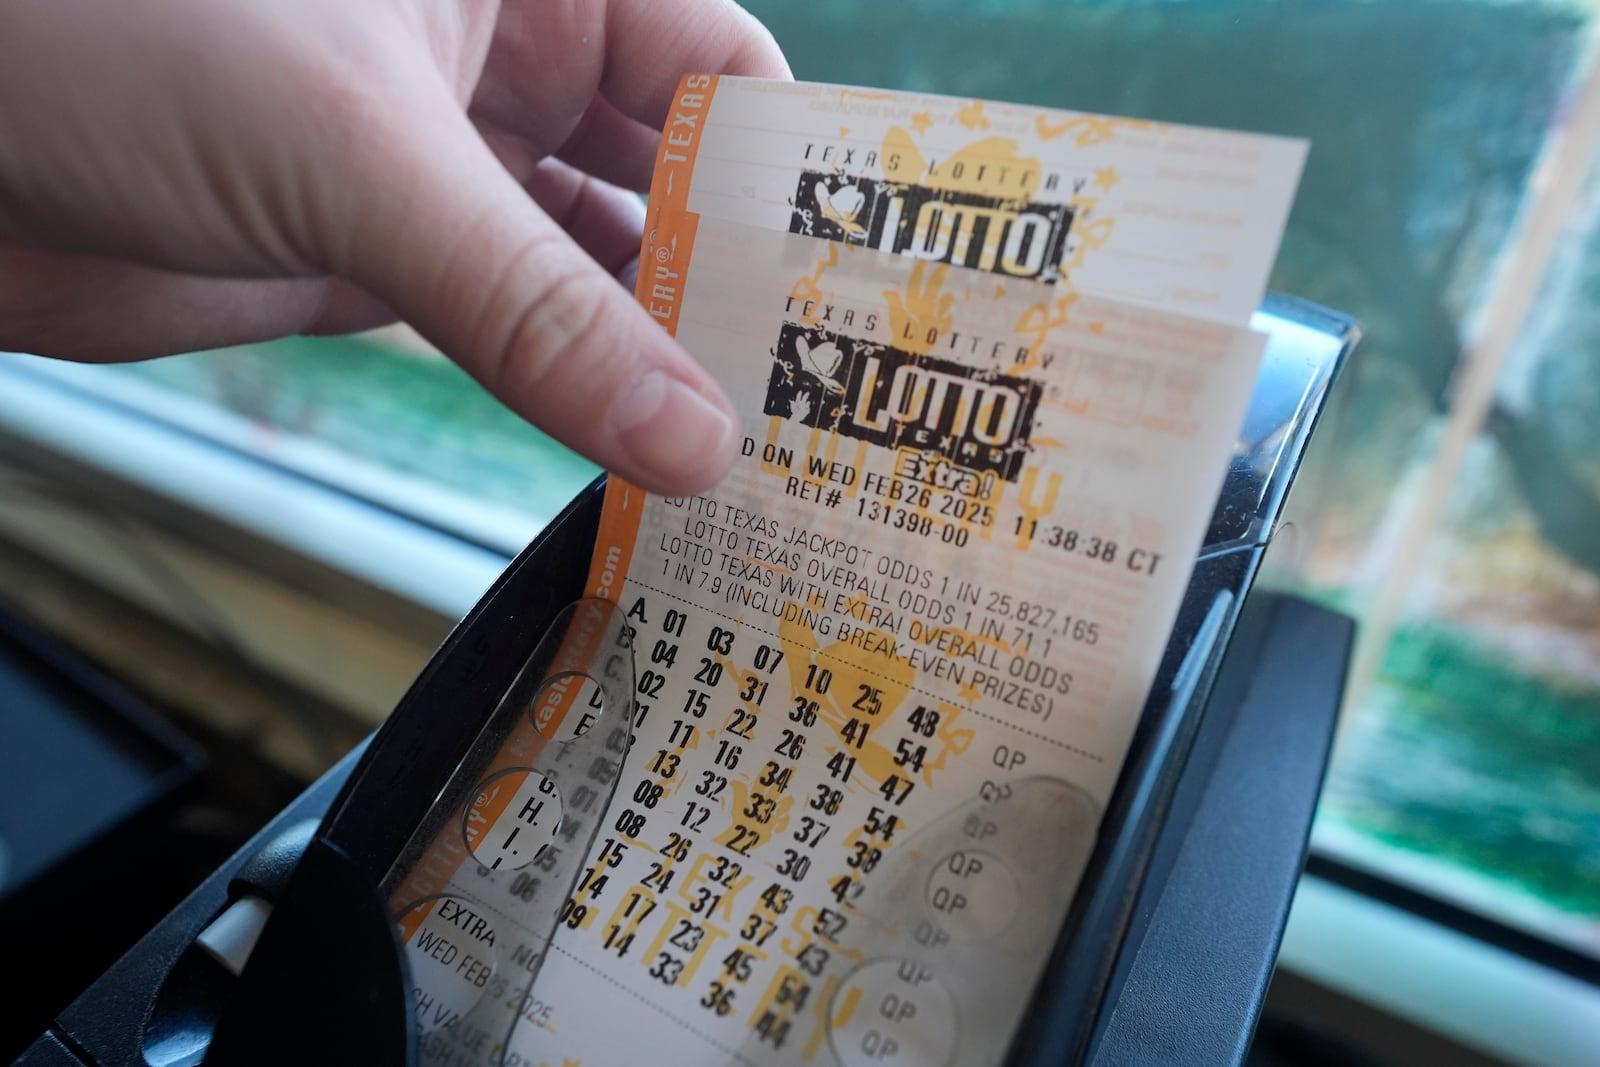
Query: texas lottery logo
{"points": [[974, 418], [984, 232]]}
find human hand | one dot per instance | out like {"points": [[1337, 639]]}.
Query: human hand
{"points": [[187, 174]]}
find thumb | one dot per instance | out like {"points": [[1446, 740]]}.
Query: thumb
{"points": [[447, 238]]}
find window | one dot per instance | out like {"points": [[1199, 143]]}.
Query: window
{"points": [[383, 400], [1472, 766]]}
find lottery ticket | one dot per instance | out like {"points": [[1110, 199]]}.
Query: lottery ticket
{"points": [[1176, 217], [991, 362]]}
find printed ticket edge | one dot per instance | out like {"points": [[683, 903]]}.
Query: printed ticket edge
{"points": [[664, 255]]}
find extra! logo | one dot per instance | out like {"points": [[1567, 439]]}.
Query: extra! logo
{"points": [[976, 419], [968, 230]]}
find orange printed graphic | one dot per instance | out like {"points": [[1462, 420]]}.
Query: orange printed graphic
{"points": [[1090, 129], [920, 314], [971, 116]]}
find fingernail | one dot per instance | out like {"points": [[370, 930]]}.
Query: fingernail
{"points": [[672, 432]]}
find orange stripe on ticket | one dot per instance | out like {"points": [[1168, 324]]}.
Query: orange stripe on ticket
{"points": [[664, 258], [669, 226], [680, 142], [620, 516]]}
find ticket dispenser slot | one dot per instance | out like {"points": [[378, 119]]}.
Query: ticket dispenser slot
{"points": [[442, 866]]}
